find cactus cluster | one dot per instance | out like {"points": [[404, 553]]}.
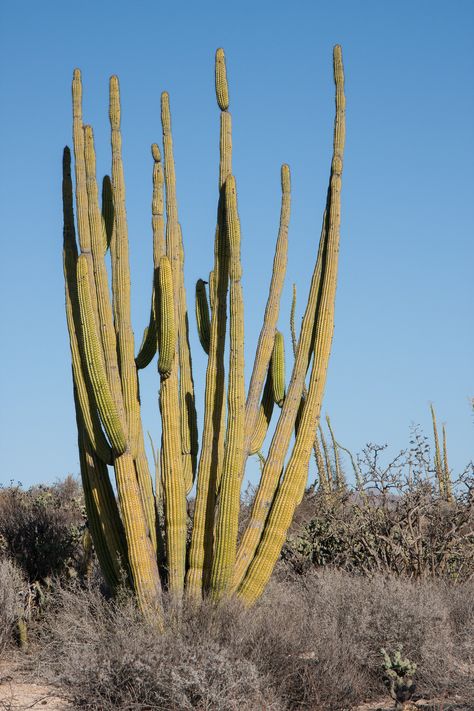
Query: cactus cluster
{"points": [[143, 534], [398, 677]]}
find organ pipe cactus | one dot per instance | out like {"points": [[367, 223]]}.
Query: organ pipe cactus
{"points": [[127, 533]]}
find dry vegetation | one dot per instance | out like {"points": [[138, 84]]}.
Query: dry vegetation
{"points": [[390, 565]]}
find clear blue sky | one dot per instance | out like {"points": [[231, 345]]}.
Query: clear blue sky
{"points": [[404, 312]]}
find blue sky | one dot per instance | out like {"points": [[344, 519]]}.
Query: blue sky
{"points": [[403, 336]]}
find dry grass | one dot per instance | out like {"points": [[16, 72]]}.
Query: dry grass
{"points": [[309, 644]]}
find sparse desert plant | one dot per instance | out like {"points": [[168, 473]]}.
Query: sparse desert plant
{"points": [[399, 673], [40, 528], [310, 643], [105, 374], [396, 521]]}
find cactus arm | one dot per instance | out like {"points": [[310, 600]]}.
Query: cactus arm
{"points": [[121, 276], [267, 333], [264, 416], [107, 209], [286, 497], [104, 306], [175, 252], [189, 433], [202, 315], [210, 461], [85, 398], [323, 481], [94, 360], [324, 279], [166, 323], [106, 562], [141, 554], [327, 459], [283, 431], [278, 369], [222, 91], [150, 340], [229, 494]]}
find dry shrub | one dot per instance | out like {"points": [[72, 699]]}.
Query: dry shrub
{"points": [[40, 528], [311, 643], [108, 658], [13, 589]]}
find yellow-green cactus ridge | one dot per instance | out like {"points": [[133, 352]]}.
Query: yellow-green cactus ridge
{"points": [[96, 369], [278, 369], [316, 329], [85, 398], [222, 90], [264, 416], [104, 307], [437, 455], [267, 333], [166, 328], [286, 496], [202, 315], [149, 344], [229, 493], [121, 275], [212, 445]]}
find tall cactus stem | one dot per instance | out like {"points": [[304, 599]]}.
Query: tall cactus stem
{"points": [[121, 276], [229, 494], [85, 397], [283, 502]]}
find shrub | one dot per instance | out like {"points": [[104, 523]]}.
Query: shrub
{"points": [[40, 528], [312, 643]]}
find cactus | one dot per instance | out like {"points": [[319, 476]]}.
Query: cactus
{"points": [[127, 534], [398, 678]]}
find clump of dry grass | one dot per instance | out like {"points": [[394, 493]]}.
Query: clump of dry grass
{"points": [[311, 643]]}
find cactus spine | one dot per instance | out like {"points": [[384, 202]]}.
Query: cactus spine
{"points": [[127, 535]]}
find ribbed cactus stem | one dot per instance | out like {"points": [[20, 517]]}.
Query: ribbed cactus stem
{"points": [[322, 473], [150, 338], [264, 416], [85, 398], [121, 276], [229, 495], [211, 458], [166, 324], [284, 428], [202, 315], [95, 366], [108, 220], [286, 496], [222, 90], [104, 306], [278, 369], [267, 333]]}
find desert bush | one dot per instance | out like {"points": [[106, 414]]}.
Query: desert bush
{"points": [[311, 643], [396, 521], [13, 594], [41, 527]]}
